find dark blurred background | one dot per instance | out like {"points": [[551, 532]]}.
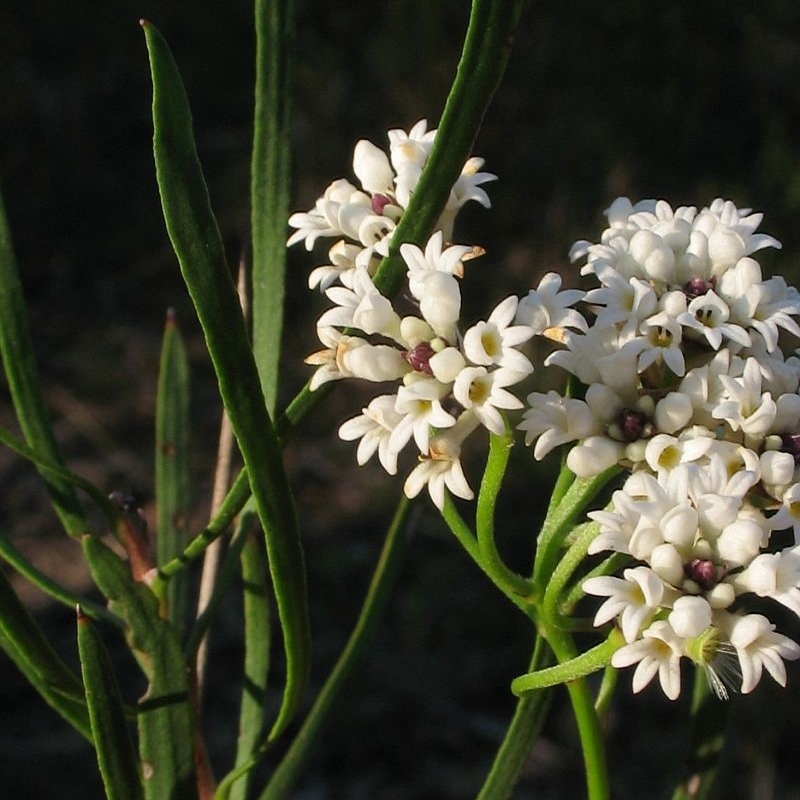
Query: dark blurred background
{"points": [[682, 101]]}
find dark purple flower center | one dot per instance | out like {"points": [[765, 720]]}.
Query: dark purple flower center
{"points": [[696, 287], [633, 425], [419, 357], [703, 572], [379, 202], [790, 443]]}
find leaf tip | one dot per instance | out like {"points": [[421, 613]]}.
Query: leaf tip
{"points": [[145, 23]]}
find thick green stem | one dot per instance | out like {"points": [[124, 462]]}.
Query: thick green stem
{"points": [[589, 731]]}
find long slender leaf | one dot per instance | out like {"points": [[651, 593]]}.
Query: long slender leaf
{"points": [[116, 756], [197, 243], [269, 191], [16, 350], [256, 659], [377, 597], [26, 645], [172, 467], [165, 720], [12, 556]]}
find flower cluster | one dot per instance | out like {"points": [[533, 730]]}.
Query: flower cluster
{"points": [[364, 220], [447, 382], [685, 384]]}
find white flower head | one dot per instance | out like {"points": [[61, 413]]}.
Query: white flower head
{"points": [[496, 340], [658, 652]]}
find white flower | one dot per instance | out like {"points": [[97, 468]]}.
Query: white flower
{"points": [[372, 168], [657, 653], [483, 392], [546, 308], [329, 361], [420, 406], [374, 427], [431, 281], [634, 599], [748, 409], [708, 314], [343, 257], [788, 516], [662, 341], [774, 575], [338, 212], [495, 341], [690, 616], [441, 467], [362, 307], [758, 646], [594, 455], [775, 302], [553, 420]]}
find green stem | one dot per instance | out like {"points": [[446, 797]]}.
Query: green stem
{"points": [[231, 506], [570, 561], [560, 521], [589, 731], [520, 736], [469, 542], [578, 666], [493, 564]]}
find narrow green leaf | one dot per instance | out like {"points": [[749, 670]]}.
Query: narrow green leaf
{"points": [[16, 350], [165, 720], [26, 645], [116, 756], [198, 246], [12, 556], [487, 46], [269, 190], [256, 613], [378, 594], [172, 467]]}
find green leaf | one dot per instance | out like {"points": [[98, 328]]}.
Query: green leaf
{"points": [[165, 720], [26, 645], [197, 243], [378, 594], [116, 756], [12, 556], [269, 190], [16, 350], [257, 627], [487, 46], [172, 467]]}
